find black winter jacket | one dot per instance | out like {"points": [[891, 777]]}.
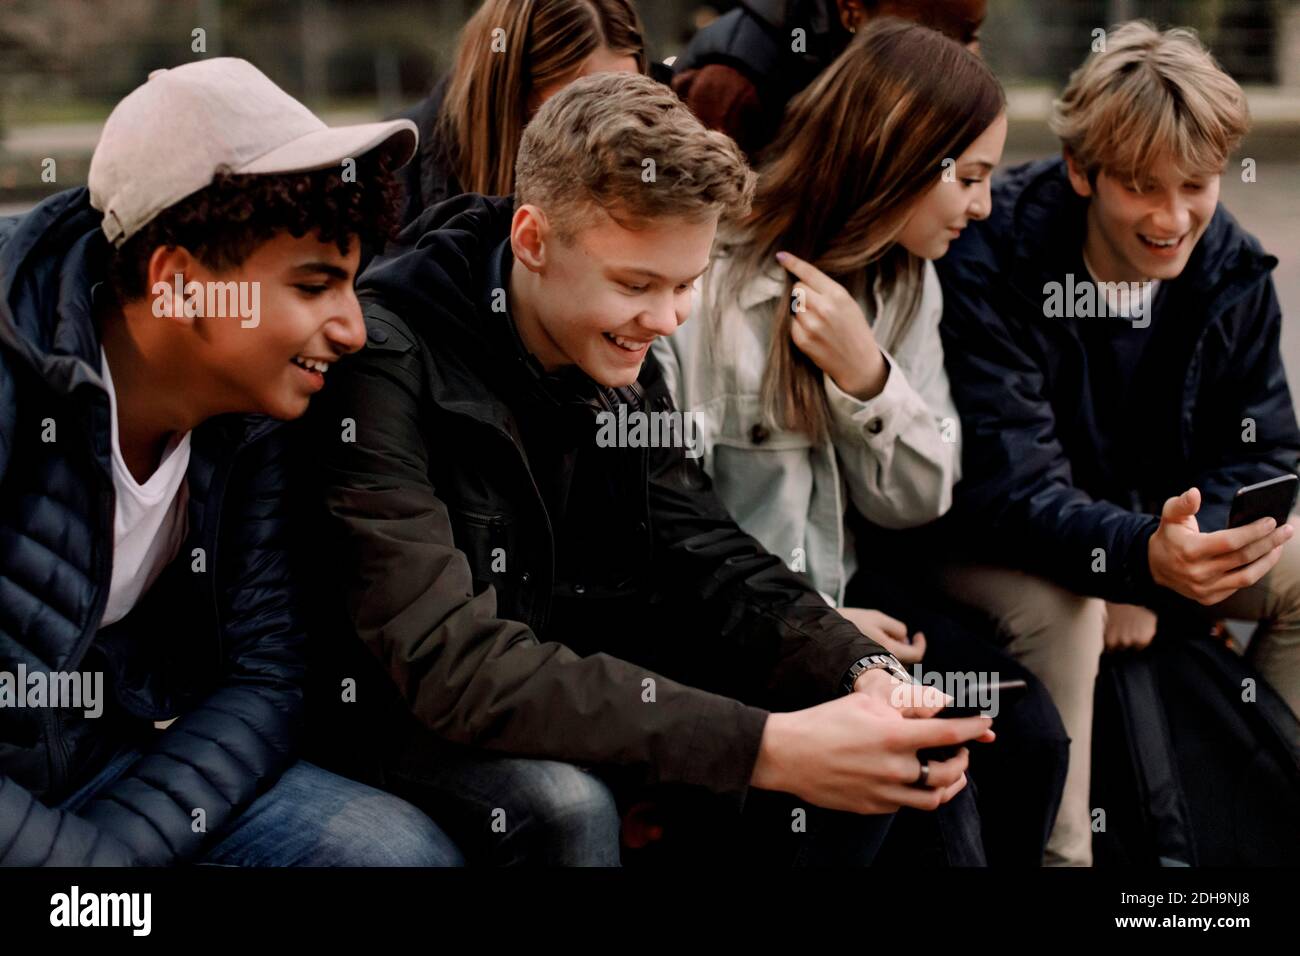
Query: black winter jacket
{"points": [[428, 178], [624, 632], [756, 39]]}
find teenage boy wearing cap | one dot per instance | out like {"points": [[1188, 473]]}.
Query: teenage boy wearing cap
{"points": [[141, 528]]}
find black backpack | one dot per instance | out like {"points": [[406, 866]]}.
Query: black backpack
{"points": [[1186, 771]]}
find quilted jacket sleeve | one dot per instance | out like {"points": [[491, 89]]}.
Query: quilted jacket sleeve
{"points": [[234, 745]]}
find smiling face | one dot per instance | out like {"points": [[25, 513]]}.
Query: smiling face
{"points": [[1144, 230], [599, 300], [308, 317], [939, 216]]}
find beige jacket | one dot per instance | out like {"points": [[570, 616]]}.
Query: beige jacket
{"points": [[895, 457]]}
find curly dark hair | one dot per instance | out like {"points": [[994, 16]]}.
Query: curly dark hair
{"points": [[223, 223]]}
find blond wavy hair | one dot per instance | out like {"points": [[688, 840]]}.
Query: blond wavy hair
{"points": [[625, 144], [1150, 96]]}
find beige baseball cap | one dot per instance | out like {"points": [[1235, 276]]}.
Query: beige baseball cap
{"points": [[170, 136]]}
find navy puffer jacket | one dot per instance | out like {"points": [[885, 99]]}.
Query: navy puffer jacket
{"points": [[215, 642]]}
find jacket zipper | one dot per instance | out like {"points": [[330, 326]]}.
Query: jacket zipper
{"points": [[107, 504], [58, 748], [550, 531], [488, 521], [217, 497]]}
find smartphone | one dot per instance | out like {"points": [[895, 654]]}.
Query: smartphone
{"points": [[1003, 694], [1274, 498]]}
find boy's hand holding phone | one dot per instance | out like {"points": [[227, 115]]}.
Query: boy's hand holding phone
{"points": [[1209, 568]]}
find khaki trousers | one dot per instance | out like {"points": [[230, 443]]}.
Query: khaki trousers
{"points": [[1058, 635]]}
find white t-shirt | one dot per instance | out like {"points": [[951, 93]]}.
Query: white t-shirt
{"points": [[1125, 300], [150, 521]]}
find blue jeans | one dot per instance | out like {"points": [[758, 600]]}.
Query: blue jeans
{"points": [[311, 817], [508, 811], [514, 810], [778, 830]]}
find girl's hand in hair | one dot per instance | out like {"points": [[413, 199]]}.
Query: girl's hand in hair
{"points": [[888, 632], [831, 329]]}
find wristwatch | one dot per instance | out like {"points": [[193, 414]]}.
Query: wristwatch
{"points": [[871, 662]]}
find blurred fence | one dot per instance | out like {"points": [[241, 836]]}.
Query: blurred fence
{"points": [[1043, 41], [64, 63], [60, 55]]}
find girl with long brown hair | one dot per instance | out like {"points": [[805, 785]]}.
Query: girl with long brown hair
{"points": [[813, 371], [812, 362], [511, 57]]}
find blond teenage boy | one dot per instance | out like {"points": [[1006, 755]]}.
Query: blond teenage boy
{"points": [[1111, 336]]}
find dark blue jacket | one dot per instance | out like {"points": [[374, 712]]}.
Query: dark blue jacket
{"points": [[1038, 490], [214, 641], [756, 39]]}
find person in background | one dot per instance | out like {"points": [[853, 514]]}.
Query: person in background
{"points": [[739, 72], [512, 56]]}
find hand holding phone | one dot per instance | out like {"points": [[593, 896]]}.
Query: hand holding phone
{"points": [[1209, 567], [994, 698]]}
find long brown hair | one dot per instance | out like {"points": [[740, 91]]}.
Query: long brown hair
{"points": [[855, 151], [542, 41]]}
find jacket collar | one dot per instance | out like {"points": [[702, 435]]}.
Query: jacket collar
{"points": [[447, 288], [47, 268], [765, 287], [567, 388], [525, 366], [483, 364]]}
